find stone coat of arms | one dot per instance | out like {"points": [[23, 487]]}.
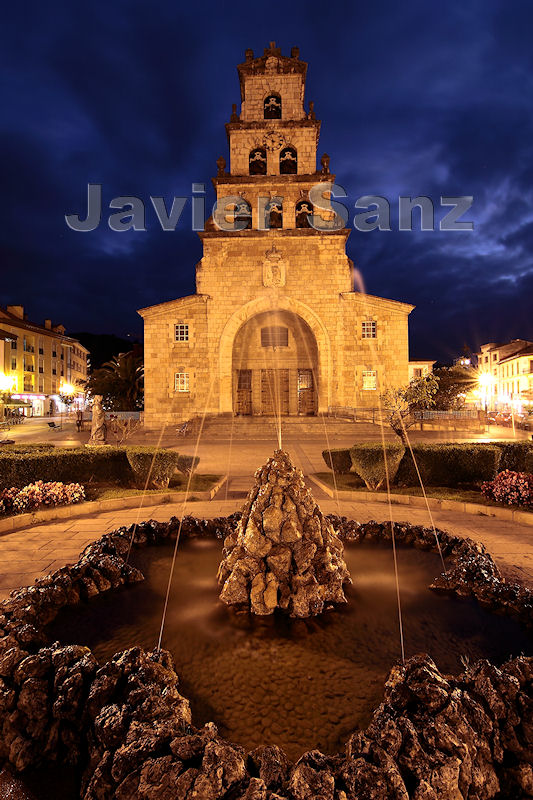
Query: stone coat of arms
{"points": [[274, 268]]}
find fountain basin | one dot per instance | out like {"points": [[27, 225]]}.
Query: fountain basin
{"points": [[299, 684], [128, 732]]}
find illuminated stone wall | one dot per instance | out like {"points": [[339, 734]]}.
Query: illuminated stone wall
{"points": [[301, 272]]}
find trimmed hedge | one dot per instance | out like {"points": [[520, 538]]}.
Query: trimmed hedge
{"points": [[187, 465], [369, 462], [516, 456], [29, 447], [81, 464], [338, 460], [449, 464], [151, 466]]}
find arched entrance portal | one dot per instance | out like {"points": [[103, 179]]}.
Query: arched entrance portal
{"points": [[275, 366]]}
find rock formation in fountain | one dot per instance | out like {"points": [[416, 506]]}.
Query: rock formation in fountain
{"points": [[284, 554]]}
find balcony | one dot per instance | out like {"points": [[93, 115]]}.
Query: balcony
{"points": [[29, 368], [29, 348]]}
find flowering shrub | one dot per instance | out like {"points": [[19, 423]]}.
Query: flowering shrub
{"points": [[38, 494], [512, 488]]}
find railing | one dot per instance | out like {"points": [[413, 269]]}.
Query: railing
{"points": [[373, 415], [463, 413], [29, 368], [378, 416]]}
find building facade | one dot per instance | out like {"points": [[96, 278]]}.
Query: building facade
{"points": [[506, 375], [38, 362], [419, 369], [275, 325]]}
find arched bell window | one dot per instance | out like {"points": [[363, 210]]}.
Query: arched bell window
{"points": [[242, 215], [272, 106], [302, 210], [274, 214], [288, 161], [258, 161]]}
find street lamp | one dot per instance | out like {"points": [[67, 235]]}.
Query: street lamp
{"points": [[66, 393], [485, 381], [6, 382]]}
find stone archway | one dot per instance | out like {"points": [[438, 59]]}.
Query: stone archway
{"points": [[303, 317]]}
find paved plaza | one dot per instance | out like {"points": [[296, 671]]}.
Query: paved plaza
{"points": [[28, 554]]}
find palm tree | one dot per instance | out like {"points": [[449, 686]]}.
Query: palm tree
{"points": [[127, 370], [120, 382]]}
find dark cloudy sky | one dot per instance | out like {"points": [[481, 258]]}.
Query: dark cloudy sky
{"points": [[415, 97]]}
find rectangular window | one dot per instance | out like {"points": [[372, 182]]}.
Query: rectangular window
{"points": [[13, 344], [417, 372], [54, 353], [274, 336], [13, 363], [181, 382], [495, 356], [370, 379], [369, 329], [54, 371], [181, 332]]}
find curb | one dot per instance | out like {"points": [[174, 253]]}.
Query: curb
{"points": [[21, 521], [522, 517]]}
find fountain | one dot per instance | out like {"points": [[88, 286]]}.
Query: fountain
{"points": [[260, 691], [284, 554]]}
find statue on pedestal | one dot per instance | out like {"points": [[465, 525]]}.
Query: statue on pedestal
{"points": [[98, 427]]}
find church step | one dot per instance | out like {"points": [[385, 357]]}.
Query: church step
{"points": [[267, 427]]}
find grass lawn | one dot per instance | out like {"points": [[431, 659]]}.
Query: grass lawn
{"points": [[353, 483], [178, 483]]}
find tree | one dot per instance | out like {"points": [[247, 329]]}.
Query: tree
{"points": [[399, 405], [454, 384], [120, 382]]}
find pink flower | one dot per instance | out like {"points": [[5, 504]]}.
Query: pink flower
{"points": [[512, 488]]}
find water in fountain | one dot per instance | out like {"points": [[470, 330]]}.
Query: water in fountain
{"points": [[299, 683]]}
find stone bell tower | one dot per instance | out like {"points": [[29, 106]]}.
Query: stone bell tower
{"points": [[275, 326]]}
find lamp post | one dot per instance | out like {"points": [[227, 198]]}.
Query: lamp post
{"points": [[6, 387], [66, 394], [485, 381]]}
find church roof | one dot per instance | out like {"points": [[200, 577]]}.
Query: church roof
{"points": [[261, 65]]}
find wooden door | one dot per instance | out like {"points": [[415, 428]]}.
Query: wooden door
{"points": [[306, 392], [274, 391], [244, 392]]}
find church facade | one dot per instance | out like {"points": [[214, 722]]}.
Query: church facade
{"points": [[276, 325]]}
